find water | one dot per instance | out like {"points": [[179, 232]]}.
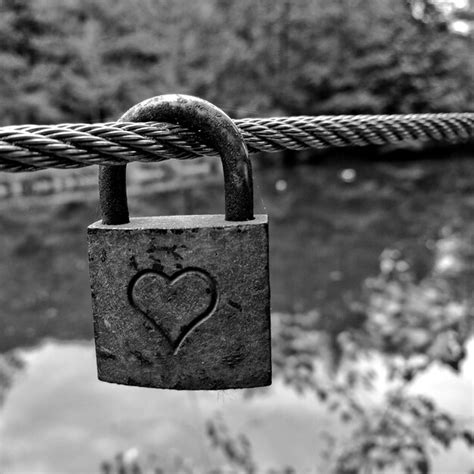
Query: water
{"points": [[59, 418], [329, 226]]}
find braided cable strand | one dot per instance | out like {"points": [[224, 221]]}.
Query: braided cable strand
{"points": [[35, 147]]}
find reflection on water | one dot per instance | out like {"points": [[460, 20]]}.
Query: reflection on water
{"points": [[329, 228], [59, 418]]}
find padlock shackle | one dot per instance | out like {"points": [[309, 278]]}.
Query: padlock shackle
{"points": [[213, 127]]}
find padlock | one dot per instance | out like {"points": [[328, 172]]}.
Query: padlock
{"points": [[182, 302]]}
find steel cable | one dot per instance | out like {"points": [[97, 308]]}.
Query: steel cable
{"points": [[34, 147]]}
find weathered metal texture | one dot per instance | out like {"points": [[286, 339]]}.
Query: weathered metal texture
{"points": [[213, 127], [182, 302]]}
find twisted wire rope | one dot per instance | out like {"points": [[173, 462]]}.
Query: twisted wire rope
{"points": [[75, 145]]}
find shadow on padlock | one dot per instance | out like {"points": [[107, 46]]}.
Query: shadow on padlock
{"points": [[182, 302]]}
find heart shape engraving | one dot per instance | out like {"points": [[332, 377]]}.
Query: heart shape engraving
{"points": [[174, 304]]}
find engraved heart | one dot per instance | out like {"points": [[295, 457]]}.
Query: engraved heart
{"points": [[176, 304]]}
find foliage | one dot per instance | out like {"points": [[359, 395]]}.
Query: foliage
{"points": [[414, 323], [88, 61], [395, 437], [237, 450], [420, 322]]}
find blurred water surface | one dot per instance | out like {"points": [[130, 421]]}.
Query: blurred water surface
{"points": [[329, 226], [59, 418]]}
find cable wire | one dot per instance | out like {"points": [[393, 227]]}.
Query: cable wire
{"points": [[69, 145]]}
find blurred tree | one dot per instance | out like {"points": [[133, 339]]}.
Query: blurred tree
{"points": [[21, 97], [369, 56], [82, 60]]}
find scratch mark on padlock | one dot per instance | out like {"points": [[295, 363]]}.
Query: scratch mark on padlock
{"points": [[234, 359], [104, 353], [172, 250], [235, 305], [103, 256], [148, 326], [133, 262], [158, 267], [141, 358]]}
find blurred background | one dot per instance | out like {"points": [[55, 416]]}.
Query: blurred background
{"points": [[372, 250]]}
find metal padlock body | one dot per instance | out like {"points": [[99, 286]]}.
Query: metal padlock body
{"points": [[182, 302], [178, 302]]}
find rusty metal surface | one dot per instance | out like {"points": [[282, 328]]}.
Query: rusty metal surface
{"points": [[182, 302], [213, 127]]}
